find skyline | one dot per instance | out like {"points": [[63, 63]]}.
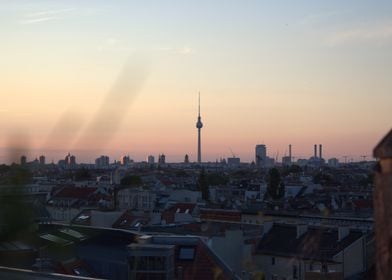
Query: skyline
{"points": [[295, 73]]}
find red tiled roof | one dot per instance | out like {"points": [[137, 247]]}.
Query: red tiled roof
{"points": [[220, 214], [75, 266], [75, 192], [204, 266], [127, 220], [169, 214]]}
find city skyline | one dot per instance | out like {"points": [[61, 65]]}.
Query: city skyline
{"points": [[300, 74]]}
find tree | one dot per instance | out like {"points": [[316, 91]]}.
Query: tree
{"points": [[275, 188], [131, 180], [203, 185]]}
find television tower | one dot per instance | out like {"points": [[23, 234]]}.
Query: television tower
{"points": [[199, 125]]}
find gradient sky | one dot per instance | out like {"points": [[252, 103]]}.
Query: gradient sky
{"points": [[122, 77]]}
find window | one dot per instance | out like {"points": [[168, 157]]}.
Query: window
{"points": [[186, 253], [273, 260]]}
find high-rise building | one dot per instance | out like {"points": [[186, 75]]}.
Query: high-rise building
{"points": [[150, 159], [261, 155], [72, 160], [186, 159], [199, 125], [102, 161], [67, 159], [161, 159], [233, 161], [125, 160]]}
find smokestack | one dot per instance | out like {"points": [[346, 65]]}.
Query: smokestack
{"points": [[290, 151], [320, 151], [315, 151]]}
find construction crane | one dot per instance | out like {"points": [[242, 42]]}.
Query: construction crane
{"points": [[232, 153]]}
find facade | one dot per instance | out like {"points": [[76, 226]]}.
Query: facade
{"points": [[233, 161], [261, 155], [299, 251], [162, 159], [102, 162], [150, 159], [125, 160], [132, 198]]}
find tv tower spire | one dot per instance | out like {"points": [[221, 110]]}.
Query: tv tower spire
{"points": [[199, 125]]}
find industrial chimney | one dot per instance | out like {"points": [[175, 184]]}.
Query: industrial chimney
{"points": [[315, 150], [290, 152], [320, 151]]}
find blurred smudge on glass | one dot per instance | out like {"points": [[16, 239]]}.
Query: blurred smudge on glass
{"points": [[115, 105]]}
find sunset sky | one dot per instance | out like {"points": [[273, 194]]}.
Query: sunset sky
{"points": [[122, 77]]}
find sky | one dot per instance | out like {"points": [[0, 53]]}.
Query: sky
{"points": [[122, 77]]}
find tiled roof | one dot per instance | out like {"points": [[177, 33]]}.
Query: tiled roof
{"points": [[204, 266], [169, 214], [127, 220], [220, 214], [316, 243], [83, 218], [75, 192]]}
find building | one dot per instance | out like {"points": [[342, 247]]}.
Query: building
{"points": [[151, 159], [261, 155], [333, 162], [288, 251], [162, 159], [102, 162], [233, 161], [42, 160], [186, 159], [261, 158], [286, 160], [70, 161], [125, 160], [133, 198]]}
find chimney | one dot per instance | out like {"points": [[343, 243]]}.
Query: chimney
{"points": [[301, 229], [343, 232], [320, 151], [315, 150], [290, 151]]}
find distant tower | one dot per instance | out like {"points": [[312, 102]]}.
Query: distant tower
{"points": [[23, 160], [186, 159], [151, 159], [261, 155], [161, 159], [199, 125], [42, 160], [320, 151], [72, 161]]}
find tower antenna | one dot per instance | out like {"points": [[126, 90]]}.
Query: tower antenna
{"points": [[199, 125], [199, 103]]}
